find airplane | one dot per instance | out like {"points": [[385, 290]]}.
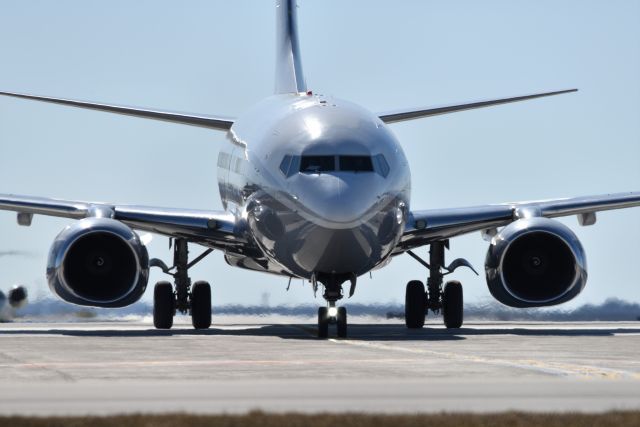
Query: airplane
{"points": [[317, 188], [16, 298]]}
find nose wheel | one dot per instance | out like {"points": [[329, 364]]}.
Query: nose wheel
{"points": [[341, 322], [332, 315], [323, 322]]}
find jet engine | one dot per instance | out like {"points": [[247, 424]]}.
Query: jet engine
{"points": [[17, 296], [535, 262], [98, 262]]}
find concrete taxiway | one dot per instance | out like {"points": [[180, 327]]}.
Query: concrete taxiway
{"points": [[124, 367]]}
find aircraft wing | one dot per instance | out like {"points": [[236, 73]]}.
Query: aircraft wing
{"points": [[201, 120], [427, 226], [214, 229], [419, 112]]}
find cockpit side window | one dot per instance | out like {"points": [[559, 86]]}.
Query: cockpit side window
{"points": [[285, 164], [317, 164], [290, 165], [381, 165]]}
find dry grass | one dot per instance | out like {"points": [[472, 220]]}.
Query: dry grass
{"points": [[510, 419]]}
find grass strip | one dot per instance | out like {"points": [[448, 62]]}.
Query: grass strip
{"points": [[256, 418]]}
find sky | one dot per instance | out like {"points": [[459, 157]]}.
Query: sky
{"points": [[217, 57]]}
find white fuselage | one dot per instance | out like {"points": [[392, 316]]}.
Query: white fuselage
{"points": [[321, 183]]}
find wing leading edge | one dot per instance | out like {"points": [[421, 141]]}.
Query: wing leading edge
{"points": [[201, 120], [417, 113], [211, 228], [427, 226]]}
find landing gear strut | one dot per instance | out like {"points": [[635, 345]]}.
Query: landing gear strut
{"points": [[436, 298], [331, 314], [182, 296]]}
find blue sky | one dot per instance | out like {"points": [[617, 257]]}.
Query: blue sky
{"points": [[217, 57]]}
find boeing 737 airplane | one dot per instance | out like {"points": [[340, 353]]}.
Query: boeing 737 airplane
{"points": [[316, 188]]}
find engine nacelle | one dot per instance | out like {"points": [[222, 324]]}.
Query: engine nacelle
{"points": [[98, 262], [535, 262], [17, 296]]}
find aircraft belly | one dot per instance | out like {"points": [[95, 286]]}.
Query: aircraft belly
{"points": [[302, 247]]}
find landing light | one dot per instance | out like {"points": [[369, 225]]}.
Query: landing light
{"points": [[333, 311]]}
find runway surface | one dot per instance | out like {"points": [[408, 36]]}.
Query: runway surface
{"points": [[124, 367]]}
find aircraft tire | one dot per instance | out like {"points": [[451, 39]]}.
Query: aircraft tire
{"points": [[452, 304], [341, 322], [201, 305], [323, 322], [414, 305], [163, 305]]}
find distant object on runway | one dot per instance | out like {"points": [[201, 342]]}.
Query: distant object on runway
{"points": [[16, 298], [318, 188]]}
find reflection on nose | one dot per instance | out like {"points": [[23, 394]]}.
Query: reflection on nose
{"points": [[337, 199]]}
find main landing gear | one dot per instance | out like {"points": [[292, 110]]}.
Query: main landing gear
{"points": [[332, 315], [436, 298], [181, 296]]}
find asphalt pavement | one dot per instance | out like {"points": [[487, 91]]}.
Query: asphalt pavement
{"points": [[242, 364]]}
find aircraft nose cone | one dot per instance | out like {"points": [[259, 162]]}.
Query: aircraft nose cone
{"points": [[337, 200]]}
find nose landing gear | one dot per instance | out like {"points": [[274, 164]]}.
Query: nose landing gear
{"points": [[332, 315]]}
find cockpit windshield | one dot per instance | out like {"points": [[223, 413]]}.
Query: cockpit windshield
{"points": [[291, 165], [316, 164], [356, 163]]}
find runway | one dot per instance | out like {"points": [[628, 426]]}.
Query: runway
{"points": [[127, 367]]}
